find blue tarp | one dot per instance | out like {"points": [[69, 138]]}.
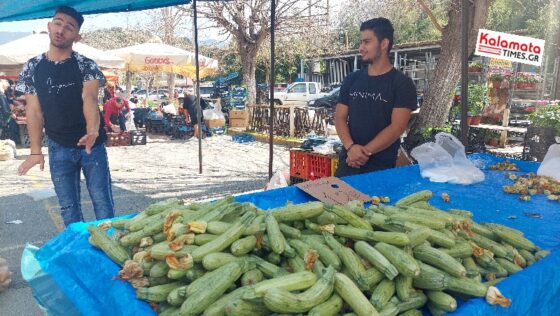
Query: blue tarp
{"points": [[16, 10], [84, 275]]}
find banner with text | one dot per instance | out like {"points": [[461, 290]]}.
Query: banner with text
{"points": [[515, 48]]}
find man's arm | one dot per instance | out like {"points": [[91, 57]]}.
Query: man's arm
{"points": [[357, 154], [399, 122], [91, 114], [341, 125], [34, 116]]}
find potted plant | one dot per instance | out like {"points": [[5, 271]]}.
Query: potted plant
{"points": [[518, 81], [543, 131], [475, 66], [492, 138], [546, 116], [532, 82], [478, 98], [496, 80]]}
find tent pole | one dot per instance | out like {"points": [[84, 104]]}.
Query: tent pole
{"points": [[197, 91], [272, 82], [464, 71]]}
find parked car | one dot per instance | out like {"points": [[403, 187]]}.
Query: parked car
{"points": [[329, 102], [299, 93], [153, 95]]}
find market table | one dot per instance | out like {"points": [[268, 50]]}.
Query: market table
{"points": [[75, 278]]}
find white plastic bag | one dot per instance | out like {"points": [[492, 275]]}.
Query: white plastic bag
{"points": [[445, 161], [550, 165], [213, 114], [278, 180], [129, 123]]}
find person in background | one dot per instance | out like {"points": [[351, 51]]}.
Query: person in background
{"points": [[374, 105], [108, 92], [115, 113], [189, 104], [61, 89], [8, 127]]}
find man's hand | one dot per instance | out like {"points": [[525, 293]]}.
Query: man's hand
{"points": [[31, 161], [357, 156], [88, 140]]}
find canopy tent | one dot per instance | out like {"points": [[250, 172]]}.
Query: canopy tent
{"points": [[16, 10], [15, 53], [158, 57]]}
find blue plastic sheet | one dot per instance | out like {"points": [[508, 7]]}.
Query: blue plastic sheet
{"points": [[85, 275]]}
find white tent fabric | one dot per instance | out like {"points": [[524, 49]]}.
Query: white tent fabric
{"points": [[17, 52], [160, 57]]}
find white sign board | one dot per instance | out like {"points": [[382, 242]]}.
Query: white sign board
{"points": [[521, 49]]}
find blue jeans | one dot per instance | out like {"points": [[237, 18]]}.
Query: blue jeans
{"points": [[65, 164]]}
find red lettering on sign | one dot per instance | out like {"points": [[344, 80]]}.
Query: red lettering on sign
{"points": [[498, 42], [157, 60]]}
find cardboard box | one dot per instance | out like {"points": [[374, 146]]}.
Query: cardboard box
{"points": [[239, 114], [238, 122], [215, 123]]}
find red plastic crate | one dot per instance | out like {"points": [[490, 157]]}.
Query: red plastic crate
{"points": [[299, 164], [319, 166]]}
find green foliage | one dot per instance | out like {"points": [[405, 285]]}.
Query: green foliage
{"points": [[511, 15], [429, 131], [547, 116], [116, 37], [478, 99], [496, 77]]}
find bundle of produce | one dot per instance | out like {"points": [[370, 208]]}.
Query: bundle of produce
{"points": [[531, 184], [227, 258]]}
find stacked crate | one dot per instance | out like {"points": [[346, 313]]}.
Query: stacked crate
{"points": [[306, 166]]}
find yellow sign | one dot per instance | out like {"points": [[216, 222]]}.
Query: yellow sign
{"points": [[500, 63]]}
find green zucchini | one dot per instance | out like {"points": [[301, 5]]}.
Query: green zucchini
{"points": [[376, 259], [404, 262], [382, 294], [282, 301], [224, 240], [352, 295], [330, 307], [439, 259]]}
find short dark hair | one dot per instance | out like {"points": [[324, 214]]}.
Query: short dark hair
{"points": [[382, 28], [71, 12]]}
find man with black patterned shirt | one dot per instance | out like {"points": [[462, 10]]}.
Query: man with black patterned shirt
{"points": [[374, 105], [61, 89]]}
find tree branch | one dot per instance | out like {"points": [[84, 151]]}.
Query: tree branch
{"points": [[430, 15]]}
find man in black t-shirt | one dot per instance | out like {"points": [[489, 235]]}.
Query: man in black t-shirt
{"points": [[189, 104], [374, 105], [61, 90]]}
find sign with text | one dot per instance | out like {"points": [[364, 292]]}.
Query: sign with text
{"points": [[521, 49], [500, 66], [332, 190]]}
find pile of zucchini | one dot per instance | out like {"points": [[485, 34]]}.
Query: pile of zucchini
{"points": [[229, 258]]}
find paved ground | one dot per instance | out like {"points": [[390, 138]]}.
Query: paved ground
{"points": [[141, 175]]}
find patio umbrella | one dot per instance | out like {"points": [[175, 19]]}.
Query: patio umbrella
{"points": [[15, 53], [158, 57]]}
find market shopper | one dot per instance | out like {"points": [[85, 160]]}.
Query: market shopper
{"points": [[189, 104], [61, 89], [115, 113], [374, 105]]}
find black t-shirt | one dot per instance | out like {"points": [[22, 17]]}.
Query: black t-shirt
{"points": [[59, 86], [189, 104], [370, 101]]}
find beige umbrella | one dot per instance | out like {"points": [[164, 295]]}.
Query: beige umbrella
{"points": [[15, 53], [158, 57]]}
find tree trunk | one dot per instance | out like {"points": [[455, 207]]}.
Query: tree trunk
{"points": [[438, 97], [248, 54], [170, 85]]}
